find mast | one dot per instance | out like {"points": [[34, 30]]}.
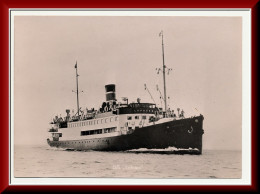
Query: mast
{"points": [[164, 80], [163, 70], [76, 67]]}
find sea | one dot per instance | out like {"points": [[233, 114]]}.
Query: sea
{"points": [[44, 161]]}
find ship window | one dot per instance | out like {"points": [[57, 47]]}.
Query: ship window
{"points": [[136, 117], [129, 118], [97, 121], [143, 117], [101, 120], [111, 119], [106, 120]]}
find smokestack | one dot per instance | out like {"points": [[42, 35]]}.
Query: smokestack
{"points": [[110, 92]]}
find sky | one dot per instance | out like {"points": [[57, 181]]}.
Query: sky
{"points": [[205, 54]]}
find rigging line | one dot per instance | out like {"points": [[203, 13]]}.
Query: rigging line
{"points": [[145, 87]]}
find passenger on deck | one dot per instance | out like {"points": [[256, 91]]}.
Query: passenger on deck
{"points": [[182, 113], [172, 113]]}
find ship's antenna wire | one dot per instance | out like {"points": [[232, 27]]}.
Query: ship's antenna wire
{"points": [[161, 97], [145, 88]]}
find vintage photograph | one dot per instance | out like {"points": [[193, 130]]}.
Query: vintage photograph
{"points": [[97, 96]]}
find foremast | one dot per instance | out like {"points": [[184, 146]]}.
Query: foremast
{"points": [[77, 83], [164, 81], [163, 70]]}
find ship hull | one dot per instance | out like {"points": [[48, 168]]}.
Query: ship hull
{"points": [[184, 134]]}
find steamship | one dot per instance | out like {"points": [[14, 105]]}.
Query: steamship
{"points": [[123, 126]]}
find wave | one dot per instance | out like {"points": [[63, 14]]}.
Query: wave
{"points": [[169, 150]]}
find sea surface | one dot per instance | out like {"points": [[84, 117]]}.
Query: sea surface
{"points": [[44, 161]]}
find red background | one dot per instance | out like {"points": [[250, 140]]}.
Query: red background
{"points": [[5, 5]]}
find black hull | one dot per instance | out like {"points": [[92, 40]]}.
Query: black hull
{"points": [[185, 134]]}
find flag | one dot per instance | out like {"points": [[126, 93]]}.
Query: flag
{"points": [[76, 65]]}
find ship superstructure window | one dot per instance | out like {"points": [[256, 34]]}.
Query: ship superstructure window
{"points": [[98, 131], [136, 117], [93, 122], [144, 117], [110, 130], [129, 118]]}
